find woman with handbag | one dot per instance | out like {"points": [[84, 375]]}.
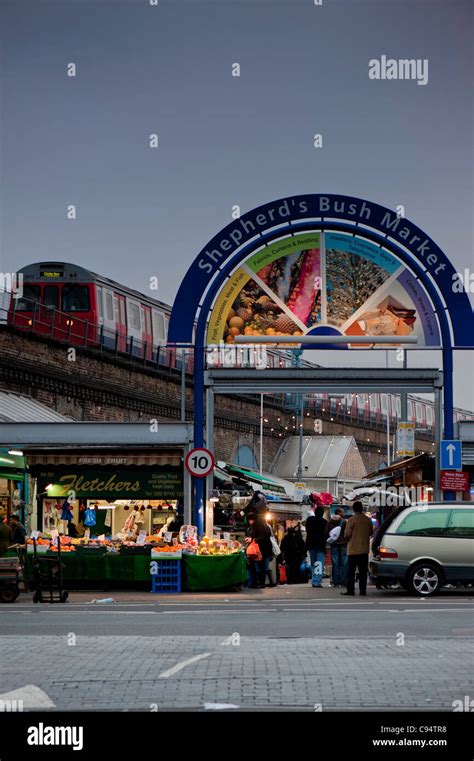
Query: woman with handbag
{"points": [[259, 551]]}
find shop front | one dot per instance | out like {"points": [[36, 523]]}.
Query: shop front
{"points": [[13, 485], [102, 492]]}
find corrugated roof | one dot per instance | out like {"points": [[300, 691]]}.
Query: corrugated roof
{"points": [[323, 456], [17, 408]]}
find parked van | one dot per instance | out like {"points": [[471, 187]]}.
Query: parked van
{"points": [[425, 546]]}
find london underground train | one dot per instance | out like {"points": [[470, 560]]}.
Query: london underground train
{"points": [[68, 303]]}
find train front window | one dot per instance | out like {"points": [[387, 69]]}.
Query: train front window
{"points": [[75, 298], [30, 295], [51, 296]]}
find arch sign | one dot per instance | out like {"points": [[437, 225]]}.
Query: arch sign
{"points": [[322, 264]]}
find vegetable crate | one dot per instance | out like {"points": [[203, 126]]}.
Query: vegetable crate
{"points": [[167, 578]]}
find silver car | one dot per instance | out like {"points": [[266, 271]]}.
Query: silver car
{"points": [[425, 547]]}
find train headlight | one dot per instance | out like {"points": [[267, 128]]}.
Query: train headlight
{"points": [[30, 322], [69, 322]]}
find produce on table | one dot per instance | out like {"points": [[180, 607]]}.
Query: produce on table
{"points": [[208, 546]]}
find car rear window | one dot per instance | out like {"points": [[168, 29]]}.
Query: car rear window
{"points": [[461, 524], [424, 522]]}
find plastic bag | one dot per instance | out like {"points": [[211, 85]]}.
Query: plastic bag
{"points": [[253, 551], [89, 517]]}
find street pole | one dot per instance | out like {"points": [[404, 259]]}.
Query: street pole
{"points": [[404, 396], [261, 434], [299, 473], [388, 431]]}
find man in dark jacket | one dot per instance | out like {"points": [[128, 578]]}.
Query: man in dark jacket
{"points": [[338, 545], [294, 552], [358, 531], [18, 530], [316, 544], [5, 536]]}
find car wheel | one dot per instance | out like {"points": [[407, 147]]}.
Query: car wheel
{"points": [[424, 579]]}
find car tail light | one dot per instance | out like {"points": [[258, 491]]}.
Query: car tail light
{"points": [[386, 552]]}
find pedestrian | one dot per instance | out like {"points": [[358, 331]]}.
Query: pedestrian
{"points": [[316, 542], [338, 545], [358, 531], [18, 530], [257, 505], [294, 552], [72, 530], [260, 531], [6, 537]]}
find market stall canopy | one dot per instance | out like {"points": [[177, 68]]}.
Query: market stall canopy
{"points": [[266, 481], [18, 408], [411, 462], [324, 457], [78, 434]]}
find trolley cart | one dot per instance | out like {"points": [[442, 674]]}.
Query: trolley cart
{"points": [[10, 575], [48, 577]]}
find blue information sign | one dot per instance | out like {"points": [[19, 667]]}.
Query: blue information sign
{"points": [[451, 454]]}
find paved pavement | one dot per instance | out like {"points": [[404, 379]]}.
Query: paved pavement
{"points": [[282, 648]]}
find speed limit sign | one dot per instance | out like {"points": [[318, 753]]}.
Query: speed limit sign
{"points": [[200, 462]]}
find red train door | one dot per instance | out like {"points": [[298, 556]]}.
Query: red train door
{"points": [[120, 322]]}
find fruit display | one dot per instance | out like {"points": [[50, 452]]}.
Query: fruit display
{"points": [[253, 313], [208, 546]]}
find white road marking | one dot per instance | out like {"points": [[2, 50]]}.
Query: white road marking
{"points": [[182, 665], [218, 706], [32, 697]]}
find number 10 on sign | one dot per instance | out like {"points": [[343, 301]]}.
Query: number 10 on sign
{"points": [[200, 462]]}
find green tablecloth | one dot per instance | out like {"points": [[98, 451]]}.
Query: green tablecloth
{"points": [[106, 568], [203, 572], [200, 572]]}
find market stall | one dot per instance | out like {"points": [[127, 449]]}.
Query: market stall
{"points": [[103, 563]]}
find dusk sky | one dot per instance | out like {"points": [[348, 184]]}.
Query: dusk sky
{"points": [[225, 140]]}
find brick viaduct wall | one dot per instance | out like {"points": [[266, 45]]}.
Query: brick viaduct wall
{"points": [[97, 388]]}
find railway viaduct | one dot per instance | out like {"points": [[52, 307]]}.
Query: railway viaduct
{"points": [[94, 387]]}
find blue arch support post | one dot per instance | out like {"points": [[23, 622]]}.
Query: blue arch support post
{"points": [[286, 217], [199, 483]]}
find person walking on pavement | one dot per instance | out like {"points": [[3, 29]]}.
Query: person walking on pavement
{"points": [[338, 545], [358, 531], [6, 537], [316, 543]]}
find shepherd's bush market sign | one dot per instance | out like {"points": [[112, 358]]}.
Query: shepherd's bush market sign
{"points": [[299, 264], [165, 483]]}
